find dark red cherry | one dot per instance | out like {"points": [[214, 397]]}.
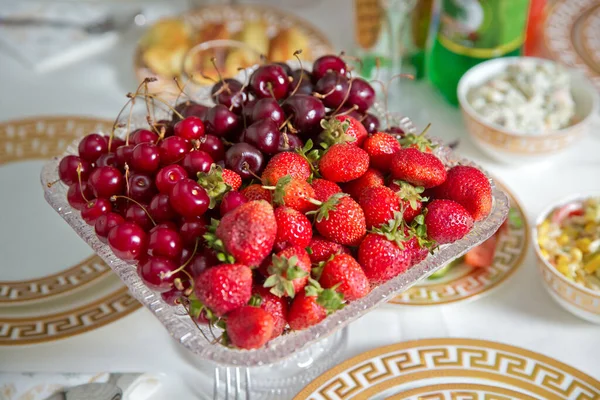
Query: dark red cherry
{"points": [[196, 161], [189, 199], [190, 128], [230, 93], [285, 66], [288, 142], [92, 146], [199, 263], [231, 201], [263, 134], [192, 229], [213, 146], [361, 95], [396, 131], [166, 225], [268, 108], [164, 127], [128, 241], [333, 89], [160, 208], [165, 242], [145, 158], [105, 223], [327, 63], [189, 109], [107, 159], [141, 187], [307, 112], [106, 182], [269, 80], [76, 199], [244, 159], [220, 121], [173, 149], [67, 169], [142, 136], [306, 86], [247, 110], [156, 273], [124, 154], [371, 123], [115, 143], [172, 296], [137, 213], [94, 209], [168, 176]]}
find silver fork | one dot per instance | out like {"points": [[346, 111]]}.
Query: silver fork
{"points": [[235, 385]]}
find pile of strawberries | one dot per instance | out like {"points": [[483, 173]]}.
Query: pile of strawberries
{"points": [[262, 251]]}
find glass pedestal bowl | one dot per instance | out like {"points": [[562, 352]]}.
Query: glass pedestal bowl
{"points": [[293, 352]]}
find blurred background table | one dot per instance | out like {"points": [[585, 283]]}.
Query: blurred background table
{"points": [[520, 312]]}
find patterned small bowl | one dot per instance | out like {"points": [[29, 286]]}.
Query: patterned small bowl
{"points": [[577, 299], [515, 147]]}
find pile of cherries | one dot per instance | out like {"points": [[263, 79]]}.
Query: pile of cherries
{"points": [[141, 192]]}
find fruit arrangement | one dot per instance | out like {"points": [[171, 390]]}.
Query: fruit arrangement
{"points": [[275, 207]]}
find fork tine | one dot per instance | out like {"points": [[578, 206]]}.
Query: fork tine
{"points": [[247, 383], [216, 384], [238, 388], [228, 386]]}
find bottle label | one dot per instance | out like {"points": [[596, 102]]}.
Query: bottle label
{"points": [[483, 28]]}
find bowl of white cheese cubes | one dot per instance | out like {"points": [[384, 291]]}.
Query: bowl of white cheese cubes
{"points": [[524, 109]]}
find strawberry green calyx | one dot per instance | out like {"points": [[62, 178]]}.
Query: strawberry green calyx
{"points": [[420, 141], [324, 207], [214, 184], [329, 299], [312, 156], [279, 189], [395, 230], [213, 242], [317, 270], [334, 132], [282, 272], [410, 193], [196, 307], [255, 301], [418, 229]]}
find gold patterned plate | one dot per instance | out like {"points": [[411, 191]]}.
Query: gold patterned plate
{"points": [[50, 284], [569, 36], [463, 282], [452, 369]]}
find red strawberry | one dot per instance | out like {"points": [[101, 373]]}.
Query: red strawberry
{"points": [[322, 249], [418, 252], [383, 259], [288, 272], [343, 129], [381, 148], [276, 306], [248, 232], [417, 168], [256, 192], [312, 305], [324, 189], [286, 163], [370, 178], [343, 163], [249, 327], [343, 270], [419, 142], [217, 182], [293, 229], [447, 221], [294, 193], [380, 204], [469, 187], [411, 201], [224, 288], [483, 255], [340, 219]]}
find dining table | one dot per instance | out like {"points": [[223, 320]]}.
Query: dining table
{"points": [[519, 312]]}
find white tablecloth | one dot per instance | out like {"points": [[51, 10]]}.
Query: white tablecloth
{"points": [[520, 312]]}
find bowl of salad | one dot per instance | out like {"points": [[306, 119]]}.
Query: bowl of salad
{"points": [[523, 109], [567, 244]]}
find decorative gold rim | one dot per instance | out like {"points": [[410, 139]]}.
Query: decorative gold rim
{"points": [[42, 138], [460, 391], [476, 274], [142, 71], [450, 357]]}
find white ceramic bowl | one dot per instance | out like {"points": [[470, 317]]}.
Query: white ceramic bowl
{"points": [[573, 297], [513, 147]]}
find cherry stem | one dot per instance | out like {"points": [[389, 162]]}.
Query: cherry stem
{"points": [[213, 61], [296, 53], [286, 140], [50, 184], [246, 168], [181, 89], [194, 320], [339, 107], [285, 122], [291, 127], [270, 88], [348, 111], [153, 96], [149, 116], [116, 123], [322, 96], [425, 130], [115, 197], [79, 166], [185, 264]]}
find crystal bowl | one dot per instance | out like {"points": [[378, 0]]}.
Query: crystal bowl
{"points": [[187, 333]]}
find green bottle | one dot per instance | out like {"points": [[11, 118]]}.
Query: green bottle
{"points": [[470, 32]]}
